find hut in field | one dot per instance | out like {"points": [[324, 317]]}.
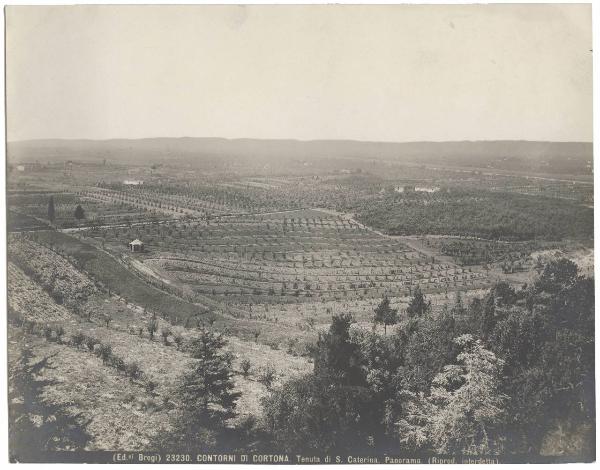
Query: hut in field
{"points": [[136, 246]]}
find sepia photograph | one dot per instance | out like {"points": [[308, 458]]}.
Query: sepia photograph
{"points": [[300, 234]]}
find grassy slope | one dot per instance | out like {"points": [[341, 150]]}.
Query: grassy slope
{"points": [[120, 280], [83, 385]]}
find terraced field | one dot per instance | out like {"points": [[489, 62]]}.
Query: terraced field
{"points": [[284, 258]]}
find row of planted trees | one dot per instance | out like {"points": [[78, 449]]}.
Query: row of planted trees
{"points": [[84, 342]]}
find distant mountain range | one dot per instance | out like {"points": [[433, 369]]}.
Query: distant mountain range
{"points": [[546, 157]]}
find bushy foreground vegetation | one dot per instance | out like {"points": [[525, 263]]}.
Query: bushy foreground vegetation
{"points": [[502, 375], [36, 425]]}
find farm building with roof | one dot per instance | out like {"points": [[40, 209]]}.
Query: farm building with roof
{"points": [[136, 246]]}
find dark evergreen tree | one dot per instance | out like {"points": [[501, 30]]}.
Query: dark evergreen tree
{"points": [[336, 356], [458, 309], [429, 347], [51, 211], [503, 293], [209, 380], [54, 428], [418, 305], [385, 315], [206, 395], [332, 409], [79, 213]]}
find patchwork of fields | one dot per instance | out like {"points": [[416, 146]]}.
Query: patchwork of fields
{"points": [[264, 261], [285, 258]]}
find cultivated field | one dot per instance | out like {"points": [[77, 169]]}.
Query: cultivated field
{"points": [[264, 260]]}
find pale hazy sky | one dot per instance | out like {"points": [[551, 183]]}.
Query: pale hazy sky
{"points": [[392, 73]]}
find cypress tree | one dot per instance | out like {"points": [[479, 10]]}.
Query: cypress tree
{"points": [[51, 212], [79, 213], [418, 305]]}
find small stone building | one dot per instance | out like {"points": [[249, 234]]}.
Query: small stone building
{"points": [[136, 246]]}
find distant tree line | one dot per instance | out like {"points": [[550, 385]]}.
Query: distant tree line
{"points": [[485, 214]]}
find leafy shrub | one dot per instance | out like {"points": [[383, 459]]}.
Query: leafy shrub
{"points": [[77, 339], [165, 333], [118, 363], [28, 326], [150, 386], [152, 326], [245, 365], [91, 342], [267, 376], [48, 333], [104, 352], [60, 332], [133, 371]]}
